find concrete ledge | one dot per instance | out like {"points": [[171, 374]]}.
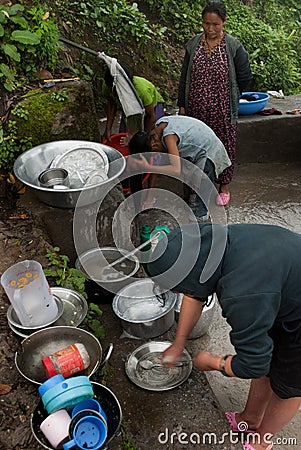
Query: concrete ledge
{"points": [[271, 139]]}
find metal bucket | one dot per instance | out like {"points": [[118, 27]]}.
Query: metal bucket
{"points": [[204, 322], [108, 402], [141, 312]]}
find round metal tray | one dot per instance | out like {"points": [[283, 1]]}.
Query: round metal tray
{"points": [[158, 378], [74, 311], [80, 162]]}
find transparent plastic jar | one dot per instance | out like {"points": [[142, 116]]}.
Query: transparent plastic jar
{"points": [[67, 362]]}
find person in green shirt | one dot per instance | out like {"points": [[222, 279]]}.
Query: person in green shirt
{"points": [[153, 104], [151, 98]]}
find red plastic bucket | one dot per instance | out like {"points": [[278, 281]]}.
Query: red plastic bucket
{"points": [[115, 143]]}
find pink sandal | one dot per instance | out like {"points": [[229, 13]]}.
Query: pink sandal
{"points": [[222, 199], [241, 427], [247, 446]]}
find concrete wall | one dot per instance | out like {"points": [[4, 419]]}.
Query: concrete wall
{"points": [[271, 139]]}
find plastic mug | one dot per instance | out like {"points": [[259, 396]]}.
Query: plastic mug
{"points": [[89, 404], [89, 433], [56, 428], [28, 291]]}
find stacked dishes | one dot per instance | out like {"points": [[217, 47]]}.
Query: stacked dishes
{"points": [[72, 309]]}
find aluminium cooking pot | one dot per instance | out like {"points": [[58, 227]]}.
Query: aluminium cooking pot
{"points": [[143, 313]]}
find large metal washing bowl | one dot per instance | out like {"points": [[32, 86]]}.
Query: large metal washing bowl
{"points": [[31, 163]]}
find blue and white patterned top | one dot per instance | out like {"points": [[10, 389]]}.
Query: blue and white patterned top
{"points": [[197, 142]]}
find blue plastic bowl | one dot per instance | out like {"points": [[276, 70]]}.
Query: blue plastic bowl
{"points": [[67, 393], [254, 106]]}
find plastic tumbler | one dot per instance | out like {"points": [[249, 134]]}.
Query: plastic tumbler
{"points": [[56, 428], [28, 291]]}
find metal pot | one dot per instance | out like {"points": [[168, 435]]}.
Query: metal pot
{"points": [[36, 160], [97, 287], [204, 322], [108, 402], [144, 314]]}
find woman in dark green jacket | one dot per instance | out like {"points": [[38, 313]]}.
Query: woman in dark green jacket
{"points": [[255, 272]]}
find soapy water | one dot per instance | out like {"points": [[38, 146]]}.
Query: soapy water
{"points": [[96, 271], [146, 309]]}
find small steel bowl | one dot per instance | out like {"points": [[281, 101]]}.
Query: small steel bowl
{"points": [[161, 379], [51, 178], [44, 342]]}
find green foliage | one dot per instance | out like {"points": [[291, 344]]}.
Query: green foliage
{"points": [[272, 48], [183, 17], [62, 274], [92, 321], [127, 443], [20, 111], [118, 18], [11, 145], [59, 96], [29, 40]]}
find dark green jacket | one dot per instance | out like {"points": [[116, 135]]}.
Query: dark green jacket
{"points": [[240, 73], [255, 271]]}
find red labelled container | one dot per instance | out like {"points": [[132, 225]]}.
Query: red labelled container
{"points": [[67, 362]]}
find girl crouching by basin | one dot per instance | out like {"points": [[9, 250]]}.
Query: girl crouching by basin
{"points": [[185, 140], [255, 272]]}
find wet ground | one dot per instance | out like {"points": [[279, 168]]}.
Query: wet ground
{"points": [[261, 193]]}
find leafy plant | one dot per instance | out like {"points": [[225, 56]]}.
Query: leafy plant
{"points": [[127, 443], [12, 145], [62, 274], [20, 111], [74, 279], [60, 96], [271, 47], [28, 39], [92, 321]]}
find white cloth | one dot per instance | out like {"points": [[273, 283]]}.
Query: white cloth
{"points": [[127, 94]]}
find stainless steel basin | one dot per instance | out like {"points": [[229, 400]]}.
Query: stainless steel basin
{"points": [[34, 161]]}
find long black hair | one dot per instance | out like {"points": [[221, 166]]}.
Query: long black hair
{"points": [[217, 8], [140, 142], [109, 79]]}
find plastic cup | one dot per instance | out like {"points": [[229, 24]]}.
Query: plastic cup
{"points": [[28, 291], [89, 433], [56, 428], [89, 404]]}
